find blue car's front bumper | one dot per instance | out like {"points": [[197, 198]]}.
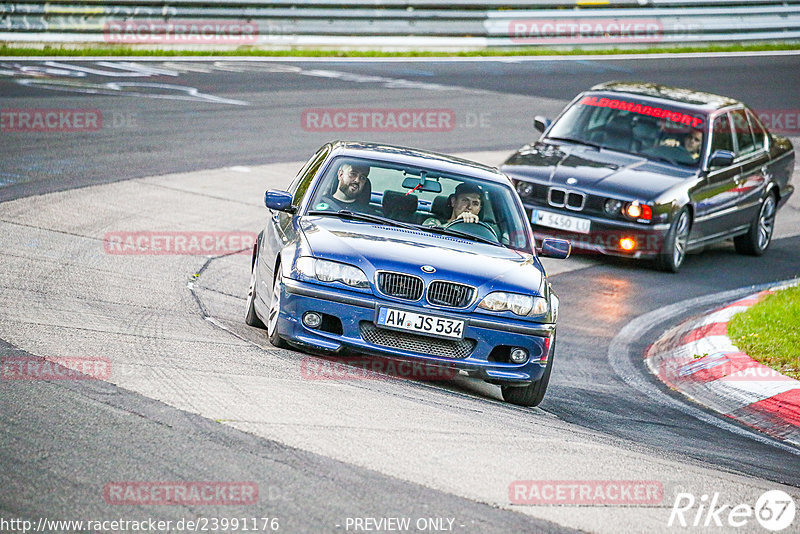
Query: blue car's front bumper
{"points": [[485, 338]]}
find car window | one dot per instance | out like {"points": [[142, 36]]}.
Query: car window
{"points": [[759, 133], [741, 129], [411, 195], [721, 138], [624, 123], [301, 182]]}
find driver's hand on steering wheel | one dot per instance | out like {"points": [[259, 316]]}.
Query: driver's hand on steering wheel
{"points": [[467, 217]]}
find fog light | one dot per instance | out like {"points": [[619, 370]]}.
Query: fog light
{"points": [[312, 319], [518, 355], [627, 244]]}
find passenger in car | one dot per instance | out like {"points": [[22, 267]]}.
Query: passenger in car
{"points": [[465, 205], [351, 191]]}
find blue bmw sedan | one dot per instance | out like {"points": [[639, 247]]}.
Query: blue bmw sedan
{"points": [[410, 255]]}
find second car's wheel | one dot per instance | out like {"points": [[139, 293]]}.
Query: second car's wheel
{"points": [[674, 250], [251, 318], [533, 393], [275, 310], [759, 235]]}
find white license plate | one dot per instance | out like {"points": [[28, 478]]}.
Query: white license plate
{"points": [[423, 324], [560, 221]]}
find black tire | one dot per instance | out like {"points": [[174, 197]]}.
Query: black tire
{"points": [[274, 310], [251, 317], [532, 394], [673, 252], [758, 237]]}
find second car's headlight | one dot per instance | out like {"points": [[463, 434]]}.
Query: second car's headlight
{"points": [[519, 304], [331, 271]]}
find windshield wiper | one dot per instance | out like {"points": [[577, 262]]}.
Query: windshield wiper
{"points": [[358, 216], [664, 159], [456, 233], [578, 141]]}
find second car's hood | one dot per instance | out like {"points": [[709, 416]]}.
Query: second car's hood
{"points": [[374, 247], [600, 171]]}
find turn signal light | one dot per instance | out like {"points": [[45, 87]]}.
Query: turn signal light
{"points": [[635, 210], [545, 350]]}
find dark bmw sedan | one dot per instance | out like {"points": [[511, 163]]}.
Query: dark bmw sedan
{"points": [[409, 255], [650, 171]]}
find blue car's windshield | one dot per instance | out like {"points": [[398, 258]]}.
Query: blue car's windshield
{"points": [[627, 124], [426, 199]]}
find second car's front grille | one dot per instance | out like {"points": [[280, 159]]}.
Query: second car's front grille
{"points": [[443, 348], [399, 285], [561, 198], [450, 294]]}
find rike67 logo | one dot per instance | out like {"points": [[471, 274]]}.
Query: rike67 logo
{"points": [[774, 510]]}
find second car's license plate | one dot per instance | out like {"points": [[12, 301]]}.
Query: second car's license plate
{"points": [[417, 322], [560, 221]]}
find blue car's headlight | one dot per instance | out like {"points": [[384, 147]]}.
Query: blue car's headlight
{"points": [[524, 305], [331, 271]]}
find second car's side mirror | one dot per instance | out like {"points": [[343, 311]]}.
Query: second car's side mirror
{"points": [[721, 158], [278, 200], [541, 123], [558, 249]]}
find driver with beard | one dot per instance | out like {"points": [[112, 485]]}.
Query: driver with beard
{"points": [[465, 204]]}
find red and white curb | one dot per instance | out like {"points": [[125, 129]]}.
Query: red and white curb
{"points": [[698, 359]]}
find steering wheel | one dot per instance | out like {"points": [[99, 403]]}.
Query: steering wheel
{"points": [[479, 229]]}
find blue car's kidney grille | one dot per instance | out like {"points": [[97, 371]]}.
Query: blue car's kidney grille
{"points": [[442, 348], [450, 294], [401, 286]]}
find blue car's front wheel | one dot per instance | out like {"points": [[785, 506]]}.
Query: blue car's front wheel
{"points": [[275, 310], [251, 318]]}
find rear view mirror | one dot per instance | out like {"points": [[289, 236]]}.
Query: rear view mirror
{"points": [[279, 200], [541, 123], [558, 249], [422, 183], [721, 158]]}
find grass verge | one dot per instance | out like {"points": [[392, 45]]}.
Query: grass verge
{"points": [[99, 50], [769, 332]]}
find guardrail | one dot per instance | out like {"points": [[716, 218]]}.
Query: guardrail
{"points": [[402, 23]]}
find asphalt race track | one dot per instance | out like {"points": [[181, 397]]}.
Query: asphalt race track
{"points": [[194, 395]]}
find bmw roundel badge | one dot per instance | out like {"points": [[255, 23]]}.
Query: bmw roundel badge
{"points": [[428, 269]]}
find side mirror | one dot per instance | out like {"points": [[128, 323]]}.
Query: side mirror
{"points": [[541, 123], [558, 249], [721, 158], [275, 199]]}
